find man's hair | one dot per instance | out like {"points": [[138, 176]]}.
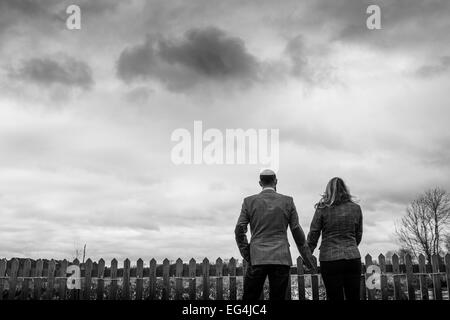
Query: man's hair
{"points": [[267, 180]]}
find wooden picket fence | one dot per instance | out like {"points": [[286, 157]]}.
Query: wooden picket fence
{"points": [[26, 279]]}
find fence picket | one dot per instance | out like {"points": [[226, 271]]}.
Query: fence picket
{"points": [[126, 280], [436, 277], [396, 276], [26, 282], [370, 292], [383, 277], [13, 279], [152, 280], [179, 279], [219, 279], [409, 277], [87, 280], [100, 279], [50, 280], [192, 279], [113, 286], [166, 280], [3, 264], [423, 278], [62, 281], [232, 268], [315, 282], [139, 279], [300, 279], [37, 291], [205, 275]]}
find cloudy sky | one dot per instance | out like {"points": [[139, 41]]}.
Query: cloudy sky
{"points": [[86, 117]]}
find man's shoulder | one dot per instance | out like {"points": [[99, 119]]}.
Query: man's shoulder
{"points": [[276, 194], [285, 197]]}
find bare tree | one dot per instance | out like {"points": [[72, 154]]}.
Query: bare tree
{"points": [[438, 203], [425, 221]]}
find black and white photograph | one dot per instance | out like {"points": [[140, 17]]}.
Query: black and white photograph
{"points": [[227, 150]]}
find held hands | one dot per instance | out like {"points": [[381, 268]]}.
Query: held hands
{"points": [[309, 260], [310, 265]]}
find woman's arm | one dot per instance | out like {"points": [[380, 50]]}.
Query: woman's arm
{"points": [[359, 228], [314, 230]]}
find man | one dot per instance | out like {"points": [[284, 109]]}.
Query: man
{"points": [[269, 213]]}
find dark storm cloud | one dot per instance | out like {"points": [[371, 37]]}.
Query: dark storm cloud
{"points": [[63, 70], [442, 66], [304, 62], [201, 55]]}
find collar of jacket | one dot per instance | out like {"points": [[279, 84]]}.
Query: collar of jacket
{"points": [[268, 189]]}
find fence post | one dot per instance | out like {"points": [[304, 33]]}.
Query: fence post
{"points": [[50, 279], [179, 280], [300, 279], [113, 285], [232, 268], [409, 277], [26, 282], [447, 273], [315, 282], [436, 277], [13, 278], [3, 263], [166, 279], [100, 278], [139, 278], [38, 280], [423, 278], [192, 279], [219, 279], [126, 280], [370, 292], [152, 280], [383, 277], [205, 274], [87, 280], [396, 276]]}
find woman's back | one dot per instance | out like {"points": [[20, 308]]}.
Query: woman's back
{"points": [[341, 228]]}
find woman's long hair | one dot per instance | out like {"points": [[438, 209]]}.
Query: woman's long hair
{"points": [[335, 194]]}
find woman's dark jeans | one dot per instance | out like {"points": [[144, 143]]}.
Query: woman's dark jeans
{"points": [[342, 277]]}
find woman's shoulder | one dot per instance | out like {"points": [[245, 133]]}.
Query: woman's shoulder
{"points": [[353, 206]]}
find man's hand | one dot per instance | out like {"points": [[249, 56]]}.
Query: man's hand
{"points": [[311, 267], [309, 260]]}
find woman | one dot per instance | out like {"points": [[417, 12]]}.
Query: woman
{"points": [[339, 220]]}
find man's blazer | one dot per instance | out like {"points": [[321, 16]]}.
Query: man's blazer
{"points": [[269, 214]]}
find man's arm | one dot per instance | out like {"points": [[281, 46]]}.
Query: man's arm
{"points": [[315, 230], [359, 228], [240, 234], [299, 238]]}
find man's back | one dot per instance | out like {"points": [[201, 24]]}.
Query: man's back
{"points": [[269, 214]]}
